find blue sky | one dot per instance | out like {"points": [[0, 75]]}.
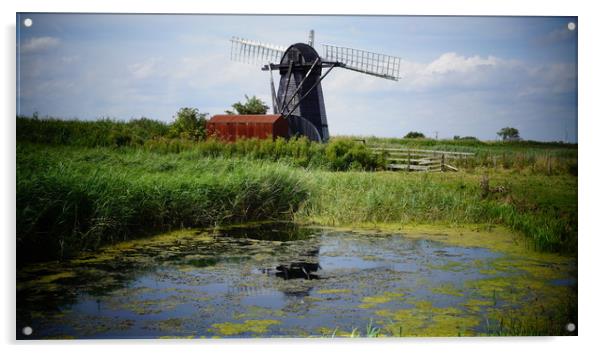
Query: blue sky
{"points": [[460, 75]]}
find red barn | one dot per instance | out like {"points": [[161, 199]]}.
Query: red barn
{"points": [[233, 127]]}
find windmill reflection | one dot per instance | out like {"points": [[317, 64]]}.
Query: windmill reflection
{"points": [[302, 269]]}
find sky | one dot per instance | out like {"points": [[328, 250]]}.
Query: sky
{"points": [[464, 76]]}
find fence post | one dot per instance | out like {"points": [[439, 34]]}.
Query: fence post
{"points": [[408, 166], [442, 162]]}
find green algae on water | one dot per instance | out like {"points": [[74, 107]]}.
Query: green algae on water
{"points": [[334, 291], [232, 328], [196, 283], [372, 301]]}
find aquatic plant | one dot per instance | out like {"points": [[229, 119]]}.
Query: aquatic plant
{"points": [[370, 332], [81, 184], [543, 208], [70, 200]]}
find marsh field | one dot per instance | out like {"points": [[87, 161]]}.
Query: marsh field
{"points": [[124, 231]]}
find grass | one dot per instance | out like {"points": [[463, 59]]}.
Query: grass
{"points": [[155, 136], [343, 153], [371, 332], [536, 326], [541, 207], [69, 199], [510, 326], [73, 199], [84, 184], [526, 156]]}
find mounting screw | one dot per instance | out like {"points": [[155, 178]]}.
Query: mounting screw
{"points": [[572, 26], [571, 327], [27, 330], [27, 22]]}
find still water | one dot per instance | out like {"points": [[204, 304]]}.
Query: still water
{"points": [[281, 280]]}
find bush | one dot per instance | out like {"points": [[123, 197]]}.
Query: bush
{"points": [[253, 105], [343, 154], [189, 124], [471, 138], [414, 135]]}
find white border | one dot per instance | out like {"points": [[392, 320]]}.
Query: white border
{"points": [[589, 194]]}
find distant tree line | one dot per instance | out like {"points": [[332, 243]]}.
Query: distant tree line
{"points": [[507, 134], [466, 138]]}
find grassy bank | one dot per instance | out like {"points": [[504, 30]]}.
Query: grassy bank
{"points": [[73, 198], [542, 207], [533, 157], [341, 154], [155, 136]]}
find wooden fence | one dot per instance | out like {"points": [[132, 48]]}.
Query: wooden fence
{"points": [[421, 160]]}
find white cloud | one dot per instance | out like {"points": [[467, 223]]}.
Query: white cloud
{"points": [[449, 69], [453, 94], [453, 70], [38, 44], [470, 73], [144, 69], [452, 62], [68, 60]]}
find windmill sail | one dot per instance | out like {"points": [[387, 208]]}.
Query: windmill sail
{"points": [[299, 97], [380, 65], [252, 52]]}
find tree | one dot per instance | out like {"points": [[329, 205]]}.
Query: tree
{"points": [[414, 135], [472, 138], [189, 123], [509, 134], [253, 105]]}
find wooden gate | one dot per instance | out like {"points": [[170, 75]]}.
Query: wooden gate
{"points": [[421, 160]]}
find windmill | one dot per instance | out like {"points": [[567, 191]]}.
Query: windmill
{"points": [[299, 98]]}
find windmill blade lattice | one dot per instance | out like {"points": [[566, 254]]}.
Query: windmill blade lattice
{"points": [[252, 52], [299, 98], [380, 65]]}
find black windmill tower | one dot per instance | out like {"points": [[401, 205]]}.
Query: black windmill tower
{"points": [[299, 97]]}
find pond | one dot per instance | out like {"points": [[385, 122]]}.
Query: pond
{"points": [[282, 280]]}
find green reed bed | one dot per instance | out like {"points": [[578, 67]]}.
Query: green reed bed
{"points": [[71, 199], [541, 207], [82, 184]]}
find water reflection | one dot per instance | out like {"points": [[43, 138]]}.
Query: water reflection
{"points": [[294, 270], [299, 277], [282, 232]]}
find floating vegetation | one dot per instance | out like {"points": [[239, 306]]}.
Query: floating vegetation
{"points": [[448, 289], [232, 328], [426, 320], [325, 282], [334, 291], [370, 302]]}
